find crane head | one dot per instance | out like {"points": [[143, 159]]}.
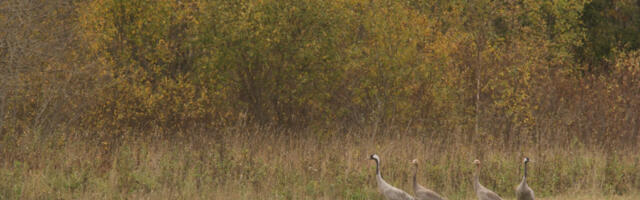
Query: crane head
{"points": [[476, 162], [375, 157]]}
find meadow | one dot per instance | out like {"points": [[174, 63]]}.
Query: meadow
{"points": [[263, 163]]}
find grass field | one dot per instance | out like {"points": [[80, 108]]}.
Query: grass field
{"points": [[267, 164]]}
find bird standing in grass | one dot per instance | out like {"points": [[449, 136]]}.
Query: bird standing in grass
{"points": [[389, 192], [523, 192], [482, 192], [421, 192]]}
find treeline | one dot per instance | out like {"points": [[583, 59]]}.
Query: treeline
{"points": [[517, 71]]}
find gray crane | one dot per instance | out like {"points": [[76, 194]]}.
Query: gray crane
{"points": [[523, 192], [420, 192], [389, 192], [482, 192]]}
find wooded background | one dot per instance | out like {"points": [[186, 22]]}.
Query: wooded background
{"points": [[515, 71]]}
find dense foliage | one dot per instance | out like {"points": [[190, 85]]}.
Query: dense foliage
{"points": [[509, 69]]}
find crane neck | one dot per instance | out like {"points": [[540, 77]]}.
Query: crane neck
{"points": [[415, 173], [525, 172], [377, 167], [476, 177], [379, 179]]}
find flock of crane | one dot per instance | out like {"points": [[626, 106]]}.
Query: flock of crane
{"points": [[523, 192]]}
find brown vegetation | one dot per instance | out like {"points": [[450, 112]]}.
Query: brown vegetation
{"points": [[256, 163]]}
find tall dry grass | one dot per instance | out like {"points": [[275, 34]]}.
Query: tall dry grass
{"points": [[263, 163]]}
